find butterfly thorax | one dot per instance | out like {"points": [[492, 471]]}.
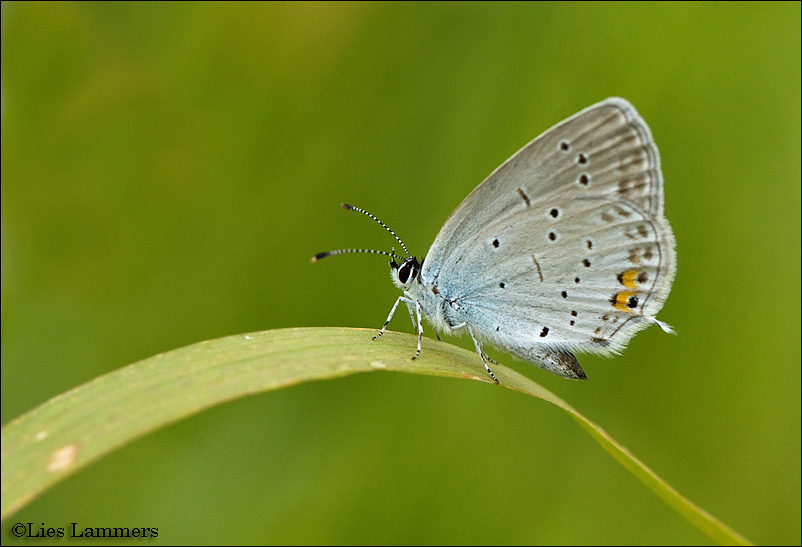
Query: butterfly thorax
{"points": [[443, 311]]}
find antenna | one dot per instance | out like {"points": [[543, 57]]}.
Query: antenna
{"points": [[343, 251]]}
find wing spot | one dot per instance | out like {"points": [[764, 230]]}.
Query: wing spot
{"points": [[496, 243], [586, 263], [624, 301], [633, 163], [584, 179], [502, 285], [524, 196], [629, 186], [539, 272], [552, 236], [581, 158], [544, 332], [565, 146], [629, 278], [554, 212], [564, 294], [620, 211]]}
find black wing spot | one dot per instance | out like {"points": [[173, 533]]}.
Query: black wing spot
{"points": [[544, 332], [496, 243]]}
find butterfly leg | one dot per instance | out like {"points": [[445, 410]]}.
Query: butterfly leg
{"points": [[419, 327], [392, 311], [481, 351], [412, 318]]}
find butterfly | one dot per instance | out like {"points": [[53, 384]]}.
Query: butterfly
{"points": [[563, 248]]}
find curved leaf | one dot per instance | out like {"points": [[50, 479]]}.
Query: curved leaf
{"points": [[80, 426]]}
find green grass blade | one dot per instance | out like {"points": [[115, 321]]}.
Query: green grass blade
{"points": [[70, 431]]}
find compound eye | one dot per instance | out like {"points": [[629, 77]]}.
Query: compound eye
{"points": [[406, 271]]}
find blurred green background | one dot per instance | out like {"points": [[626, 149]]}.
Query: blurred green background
{"points": [[168, 170]]}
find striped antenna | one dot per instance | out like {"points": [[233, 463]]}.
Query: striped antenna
{"points": [[343, 251]]}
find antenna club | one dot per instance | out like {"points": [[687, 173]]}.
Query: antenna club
{"points": [[346, 207], [324, 254]]}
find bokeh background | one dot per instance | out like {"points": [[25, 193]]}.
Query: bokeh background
{"points": [[168, 170]]}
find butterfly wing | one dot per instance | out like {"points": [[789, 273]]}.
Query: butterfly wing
{"points": [[564, 246]]}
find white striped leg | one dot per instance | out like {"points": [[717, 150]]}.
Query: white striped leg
{"points": [[412, 318], [392, 311], [420, 328], [481, 351]]}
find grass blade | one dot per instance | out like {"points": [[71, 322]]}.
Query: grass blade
{"points": [[68, 432]]}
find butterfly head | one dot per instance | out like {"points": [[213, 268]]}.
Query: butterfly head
{"points": [[405, 274]]}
